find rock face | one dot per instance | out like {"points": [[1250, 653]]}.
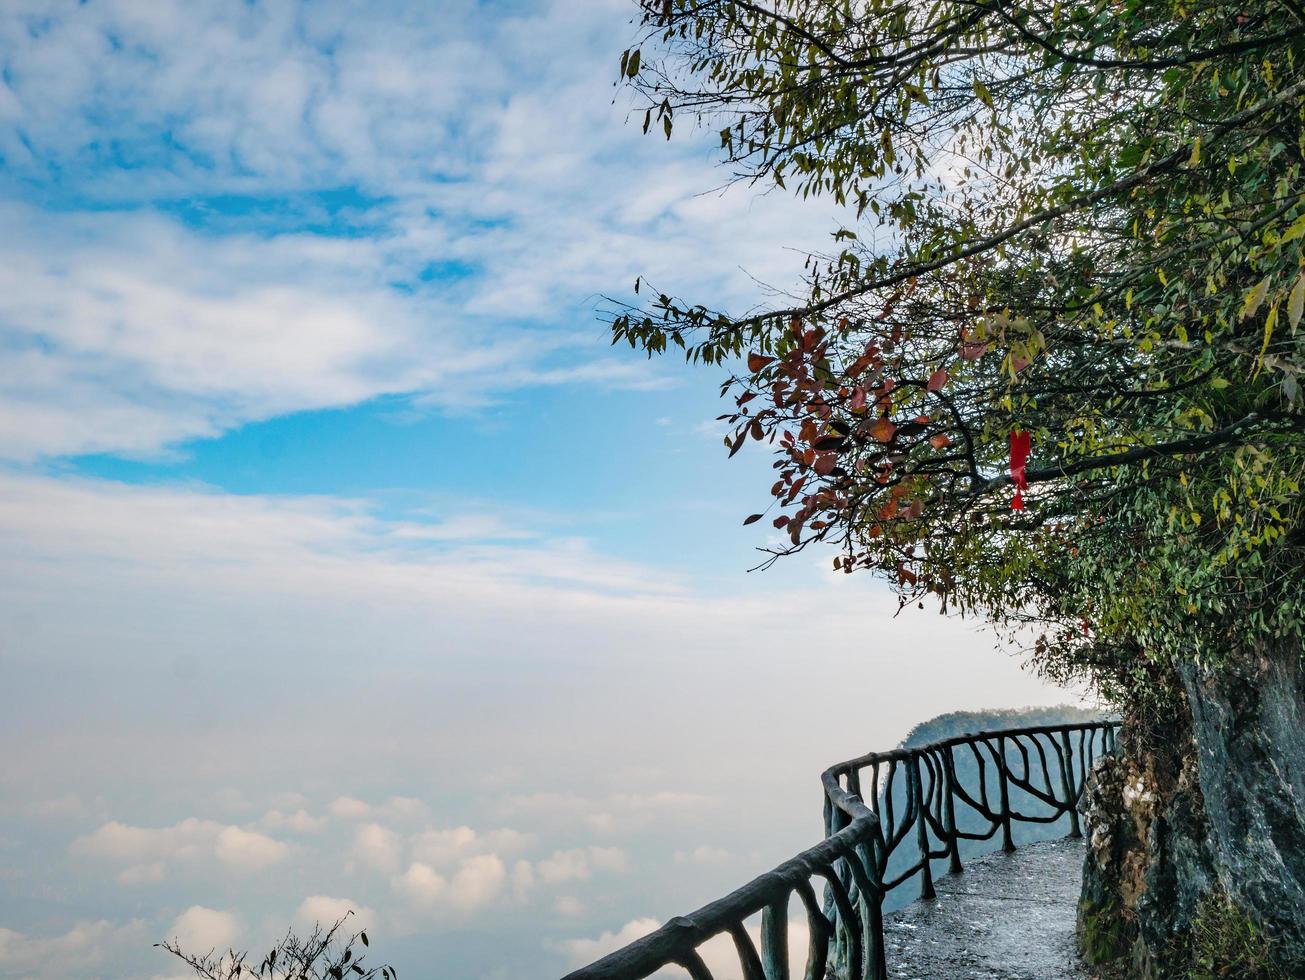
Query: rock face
{"points": [[1249, 725], [1148, 866], [1190, 815]]}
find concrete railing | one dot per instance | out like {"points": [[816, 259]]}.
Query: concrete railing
{"points": [[918, 812]]}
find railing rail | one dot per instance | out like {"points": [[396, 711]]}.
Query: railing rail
{"points": [[854, 865]]}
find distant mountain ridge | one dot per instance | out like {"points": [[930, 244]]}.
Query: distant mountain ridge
{"points": [[955, 723]]}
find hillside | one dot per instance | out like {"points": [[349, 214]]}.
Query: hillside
{"points": [[963, 722]]}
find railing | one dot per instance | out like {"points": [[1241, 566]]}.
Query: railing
{"points": [[854, 865]]}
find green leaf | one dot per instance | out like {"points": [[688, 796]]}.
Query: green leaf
{"points": [[982, 92], [1294, 231], [632, 66]]}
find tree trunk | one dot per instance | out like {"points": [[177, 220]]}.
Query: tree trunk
{"points": [[1249, 727]]}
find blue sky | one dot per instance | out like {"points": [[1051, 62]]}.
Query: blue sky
{"points": [[343, 563]]}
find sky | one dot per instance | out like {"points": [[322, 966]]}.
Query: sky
{"points": [[344, 564]]}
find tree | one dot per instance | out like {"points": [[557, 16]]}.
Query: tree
{"points": [[327, 953], [1049, 373]]}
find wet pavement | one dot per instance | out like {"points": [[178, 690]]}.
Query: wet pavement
{"points": [[1006, 917]]}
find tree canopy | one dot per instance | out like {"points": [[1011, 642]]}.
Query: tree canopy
{"points": [[1083, 222]]}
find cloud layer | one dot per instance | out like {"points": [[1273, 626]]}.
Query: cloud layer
{"points": [[304, 212]]}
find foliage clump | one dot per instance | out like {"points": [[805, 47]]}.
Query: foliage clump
{"points": [[1076, 231], [1226, 943], [327, 953]]}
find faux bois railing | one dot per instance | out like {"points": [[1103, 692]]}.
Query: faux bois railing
{"points": [[918, 811]]}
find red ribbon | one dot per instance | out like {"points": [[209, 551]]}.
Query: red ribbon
{"points": [[1019, 457]]}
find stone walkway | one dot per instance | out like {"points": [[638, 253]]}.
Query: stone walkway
{"points": [[1007, 917]]}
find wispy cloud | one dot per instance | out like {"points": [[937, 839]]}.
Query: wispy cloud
{"points": [[220, 276]]}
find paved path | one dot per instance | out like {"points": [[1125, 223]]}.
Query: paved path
{"points": [[1007, 917]]}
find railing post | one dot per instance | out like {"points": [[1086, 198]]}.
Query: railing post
{"points": [[1007, 844], [949, 815], [916, 789], [876, 962], [836, 820], [1067, 783], [774, 941]]}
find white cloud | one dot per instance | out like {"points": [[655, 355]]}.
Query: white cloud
{"points": [[582, 951], [568, 906], [325, 911], [77, 952], [248, 849], [523, 879], [127, 330], [404, 809], [580, 863], [300, 821], [605, 815], [307, 545], [421, 884], [147, 849], [128, 333], [703, 854], [377, 848], [122, 842], [199, 930], [347, 808], [443, 847], [143, 874], [476, 883]]}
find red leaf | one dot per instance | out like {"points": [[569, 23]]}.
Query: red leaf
{"points": [[858, 367], [883, 430], [857, 404], [936, 380], [941, 441], [781, 520], [973, 351], [752, 520], [758, 361], [825, 462]]}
